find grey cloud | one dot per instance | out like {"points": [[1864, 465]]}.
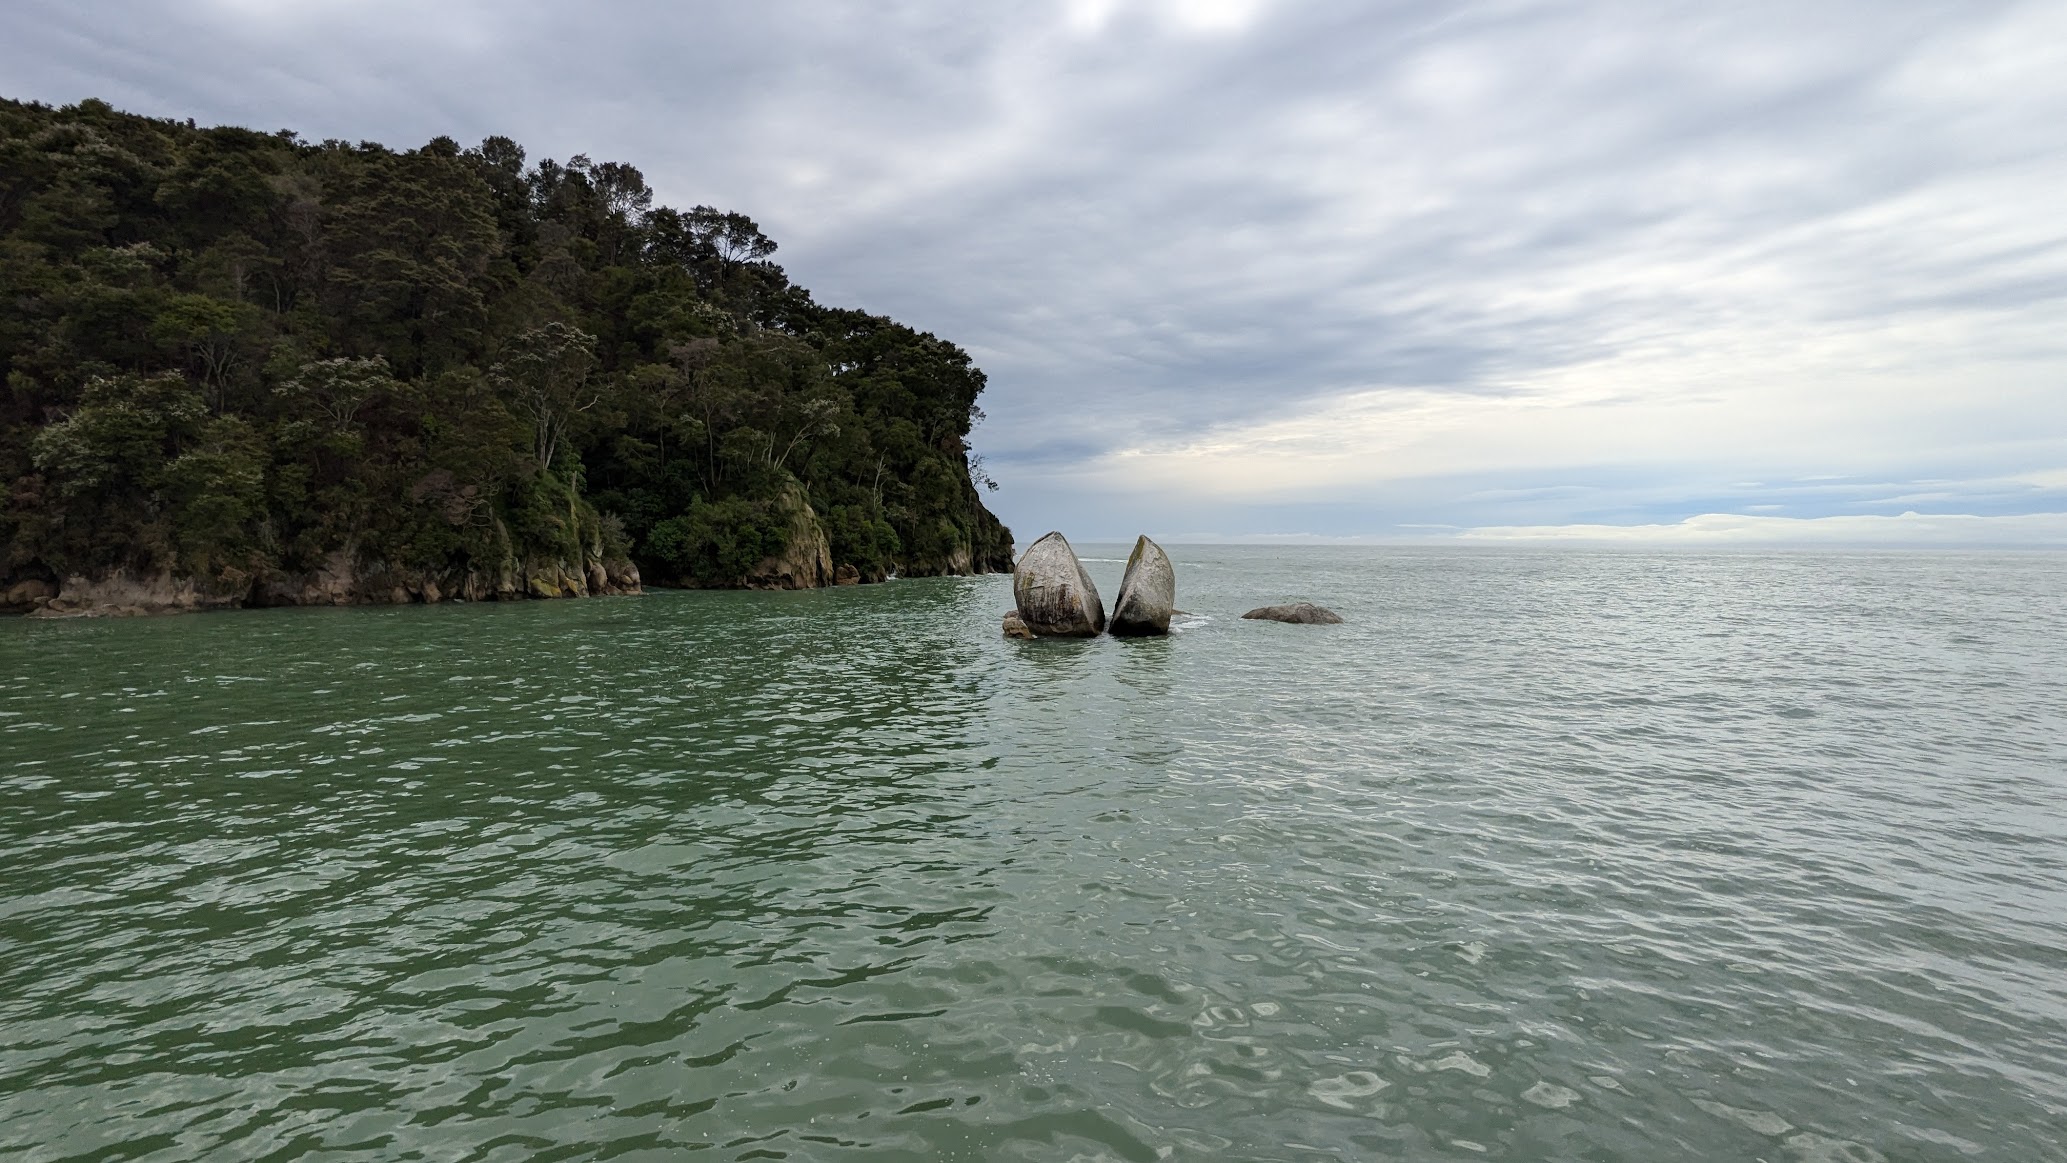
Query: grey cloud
{"points": [[1146, 233]]}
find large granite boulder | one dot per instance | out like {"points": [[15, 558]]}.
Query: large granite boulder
{"points": [[1055, 596], [1301, 612], [1148, 593]]}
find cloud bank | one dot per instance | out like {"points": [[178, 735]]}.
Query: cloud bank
{"points": [[2034, 530], [1339, 268]]}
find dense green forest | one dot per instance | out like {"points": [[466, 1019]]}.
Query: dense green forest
{"points": [[261, 370]]}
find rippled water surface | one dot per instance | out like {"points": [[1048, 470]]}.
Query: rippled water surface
{"points": [[1542, 855]]}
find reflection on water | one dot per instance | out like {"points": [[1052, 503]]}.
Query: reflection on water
{"points": [[1540, 856]]}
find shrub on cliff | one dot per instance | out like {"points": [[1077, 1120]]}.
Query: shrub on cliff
{"points": [[717, 542]]}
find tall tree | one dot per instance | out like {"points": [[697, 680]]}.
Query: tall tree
{"points": [[545, 373]]}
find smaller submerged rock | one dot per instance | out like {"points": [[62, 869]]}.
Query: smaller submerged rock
{"points": [[1304, 613], [1148, 593], [1014, 628], [1055, 596]]}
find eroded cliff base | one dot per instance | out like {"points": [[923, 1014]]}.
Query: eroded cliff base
{"points": [[338, 582]]}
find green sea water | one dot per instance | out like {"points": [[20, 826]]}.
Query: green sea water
{"points": [[1539, 856]]}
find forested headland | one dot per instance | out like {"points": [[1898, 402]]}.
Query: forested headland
{"points": [[247, 369]]}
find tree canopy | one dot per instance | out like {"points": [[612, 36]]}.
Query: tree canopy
{"points": [[227, 350]]}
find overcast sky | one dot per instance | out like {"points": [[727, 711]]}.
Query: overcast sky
{"points": [[1420, 269]]}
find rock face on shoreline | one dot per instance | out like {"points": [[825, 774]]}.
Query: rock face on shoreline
{"points": [[1304, 613], [341, 580], [1148, 593], [1055, 596], [806, 559], [27, 595]]}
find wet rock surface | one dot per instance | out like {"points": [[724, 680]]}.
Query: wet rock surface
{"points": [[1302, 613]]}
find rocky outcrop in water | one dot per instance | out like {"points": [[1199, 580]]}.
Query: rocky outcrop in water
{"points": [[1304, 613], [805, 561], [1014, 628], [1148, 593], [1055, 596]]}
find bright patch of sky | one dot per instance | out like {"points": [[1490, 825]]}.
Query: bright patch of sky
{"points": [[1427, 269]]}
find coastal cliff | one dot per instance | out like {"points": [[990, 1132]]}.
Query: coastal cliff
{"points": [[243, 369]]}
